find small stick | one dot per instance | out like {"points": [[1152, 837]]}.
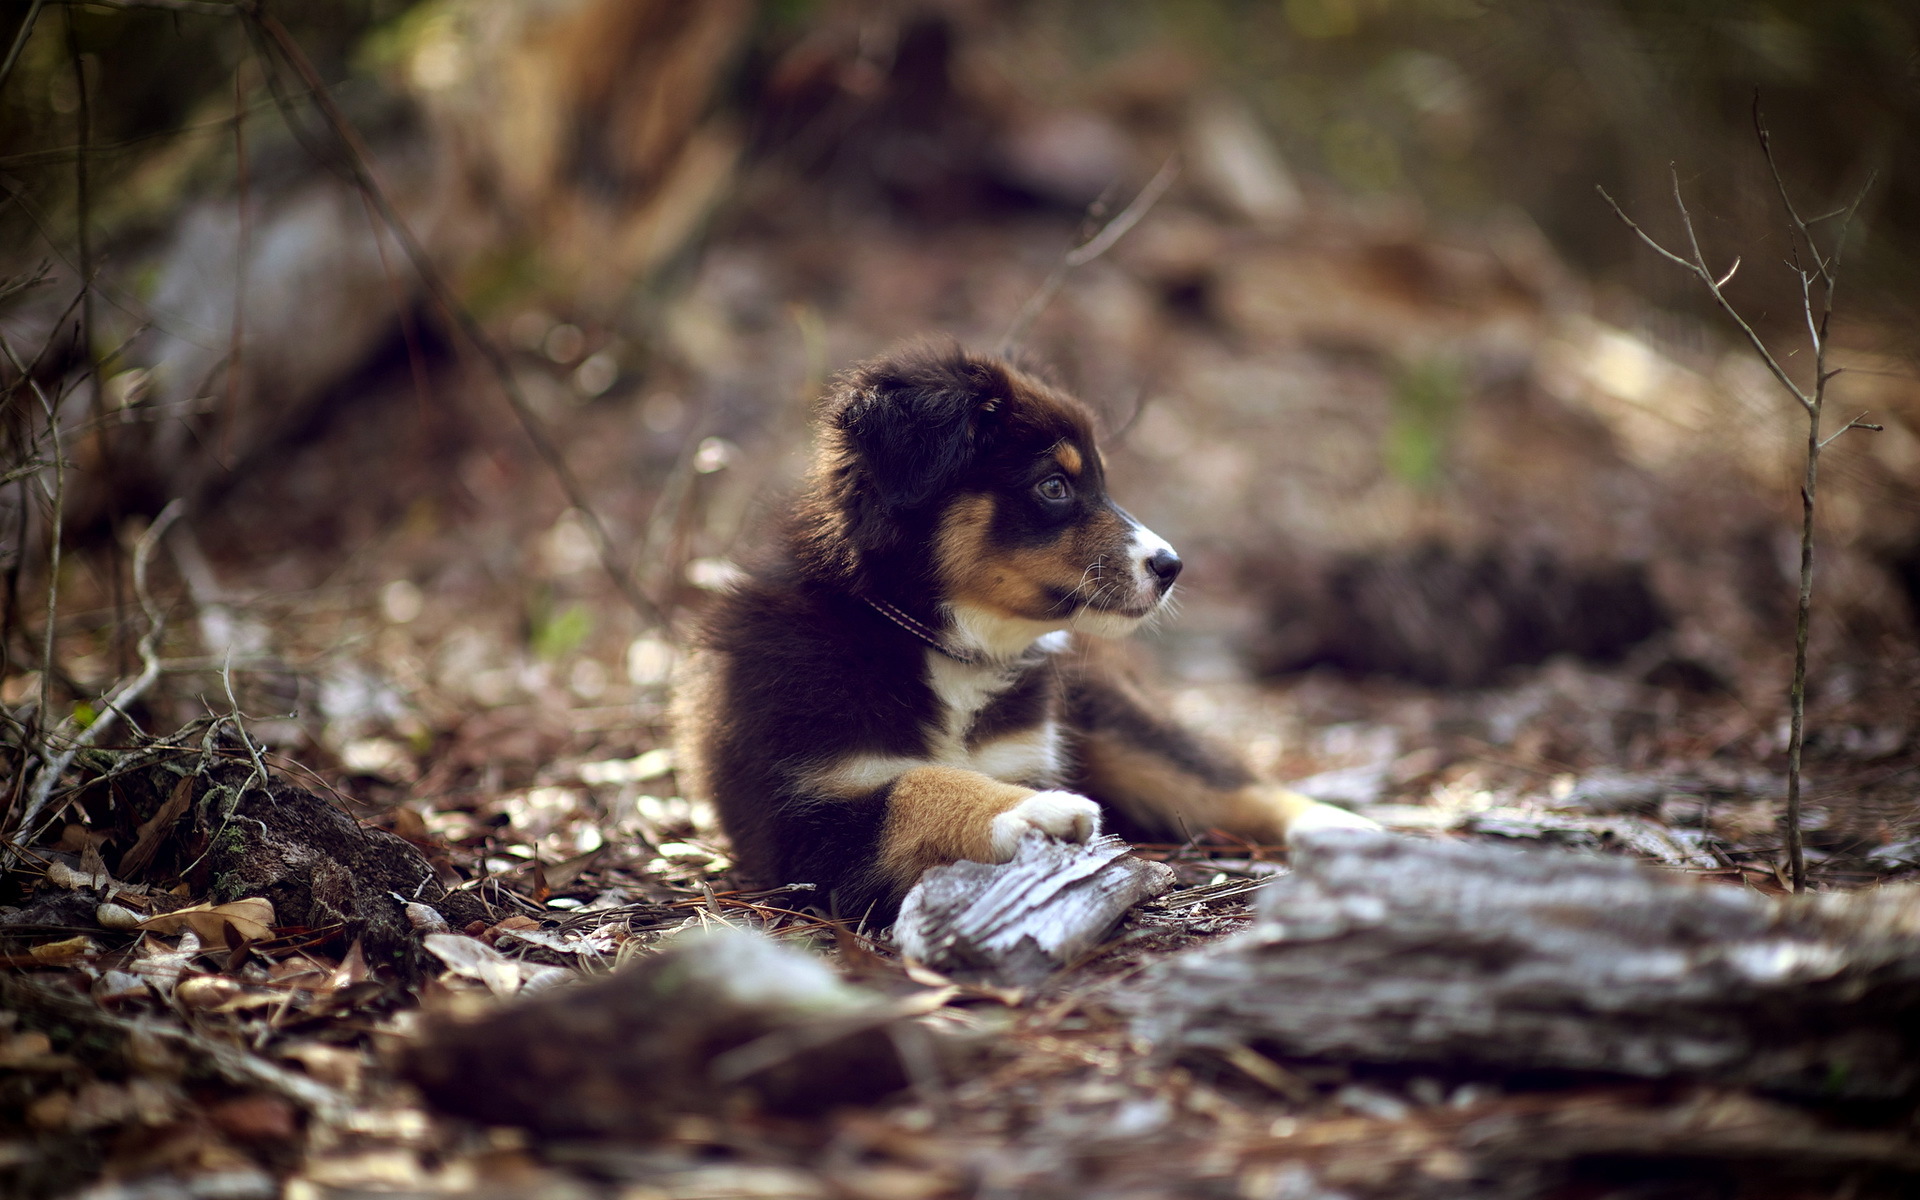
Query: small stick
{"points": [[1819, 313], [117, 701], [359, 170], [20, 40], [1086, 252]]}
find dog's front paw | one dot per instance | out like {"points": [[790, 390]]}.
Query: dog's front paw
{"points": [[1063, 815], [1315, 815]]}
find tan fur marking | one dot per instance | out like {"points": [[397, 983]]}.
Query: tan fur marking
{"points": [[1068, 455], [1005, 583], [1157, 794], [1015, 583], [696, 709], [938, 815]]}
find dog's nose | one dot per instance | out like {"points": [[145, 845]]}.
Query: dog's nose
{"points": [[1164, 564]]}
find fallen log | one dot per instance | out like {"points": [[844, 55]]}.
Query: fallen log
{"points": [[1390, 950], [1018, 922], [717, 1019]]}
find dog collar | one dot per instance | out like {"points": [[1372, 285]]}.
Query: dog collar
{"points": [[921, 631]]}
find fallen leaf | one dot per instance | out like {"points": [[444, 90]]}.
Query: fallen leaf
{"points": [[162, 966], [65, 950], [255, 1118], [474, 959], [651, 765], [335, 1066], [95, 867], [148, 839], [425, 918], [119, 985], [206, 991], [251, 919], [352, 969], [32, 1052], [116, 916], [61, 875]]}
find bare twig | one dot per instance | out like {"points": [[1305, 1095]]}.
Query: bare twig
{"points": [[1101, 242], [1699, 268], [116, 702], [243, 248], [199, 8], [356, 162], [1859, 422], [56, 496], [1817, 287], [20, 40]]}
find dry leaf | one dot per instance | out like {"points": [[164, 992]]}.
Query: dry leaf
{"points": [[148, 839], [255, 1118], [119, 985], [32, 1052], [95, 867], [116, 916], [64, 950], [251, 919], [162, 967], [206, 991], [61, 875], [352, 969], [474, 959], [425, 918]]}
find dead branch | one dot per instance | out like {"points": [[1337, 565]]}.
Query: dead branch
{"points": [[356, 162], [20, 40], [116, 702], [1818, 310], [1079, 256]]}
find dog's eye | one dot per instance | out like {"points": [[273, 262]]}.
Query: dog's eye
{"points": [[1053, 487]]}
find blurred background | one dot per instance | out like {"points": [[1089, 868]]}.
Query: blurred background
{"points": [[1480, 498]]}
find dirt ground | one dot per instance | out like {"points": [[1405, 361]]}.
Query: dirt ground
{"points": [[390, 610]]}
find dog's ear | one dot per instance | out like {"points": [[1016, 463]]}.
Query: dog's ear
{"points": [[916, 423]]}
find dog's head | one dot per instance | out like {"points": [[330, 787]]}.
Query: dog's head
{"points": [[961, 484]]}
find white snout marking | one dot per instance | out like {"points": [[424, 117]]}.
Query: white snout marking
{"points": [[1064, 815], [1145, 544]]}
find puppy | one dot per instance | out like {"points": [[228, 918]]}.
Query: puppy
{"points": [[911, 679]]}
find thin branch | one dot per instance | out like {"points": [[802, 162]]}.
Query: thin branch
{"points": [[57, 496], [199, 8], [1086, 252], [242, 251], [1706, 277], [1780, 184], [1859, 422], [116, 702], [356, 162], [1686, 220], [239, 727], [20, 41], [1128, 216]]}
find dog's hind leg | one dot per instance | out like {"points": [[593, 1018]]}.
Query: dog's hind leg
{"points": [[1163, 781]]}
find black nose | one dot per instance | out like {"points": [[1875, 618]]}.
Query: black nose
{"points": [[1164, 564]]}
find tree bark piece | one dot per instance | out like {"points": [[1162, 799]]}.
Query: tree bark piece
{"points": [[1383, 949], [1018, 922], [715, 1019]]}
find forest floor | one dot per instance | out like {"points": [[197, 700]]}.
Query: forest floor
{"points": [[406, 618]]}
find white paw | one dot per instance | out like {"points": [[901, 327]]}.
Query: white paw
{"points": [[1063, 815], [1327, 816]]}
